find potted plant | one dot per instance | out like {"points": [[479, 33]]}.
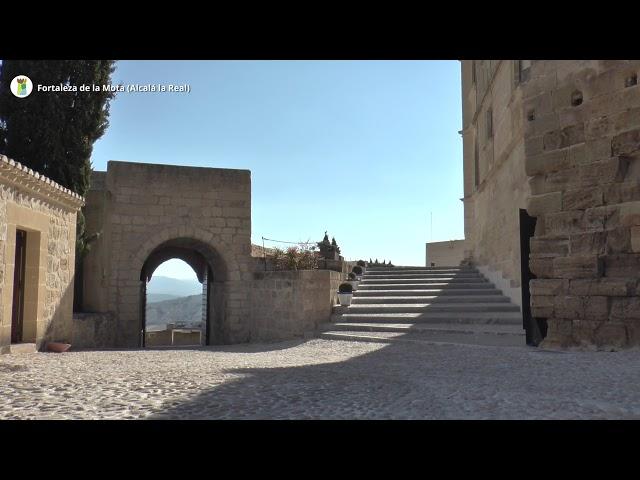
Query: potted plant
{"points": [[58, 347], [345, 294], [363, 264], [353, 280], [358, 271]]}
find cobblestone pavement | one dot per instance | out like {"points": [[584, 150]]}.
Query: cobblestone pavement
{"points": [[322, 379]]}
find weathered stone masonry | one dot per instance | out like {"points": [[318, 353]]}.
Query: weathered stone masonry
{"points": [[47, 212], [582, 154], [147, 214], [144, 209]]}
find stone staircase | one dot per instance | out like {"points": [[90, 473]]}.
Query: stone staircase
{"points": [[432, 304]]}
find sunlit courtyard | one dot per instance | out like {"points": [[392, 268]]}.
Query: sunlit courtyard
{"points": [[322, 379]]}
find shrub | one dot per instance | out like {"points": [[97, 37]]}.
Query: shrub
{"points": [[352, 276], [294, 258], [345, 288], [361, 263], [357, 270]]}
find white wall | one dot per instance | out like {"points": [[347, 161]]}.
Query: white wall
{"points": [[445, 254]]}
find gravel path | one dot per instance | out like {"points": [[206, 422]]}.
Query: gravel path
{"points": [[321, 379]]}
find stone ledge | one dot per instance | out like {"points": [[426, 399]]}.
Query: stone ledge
{"points": [[38, 185]]}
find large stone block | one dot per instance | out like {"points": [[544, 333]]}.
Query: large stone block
{"points": [[542, 306], [613, 103], [600, 218], [547, 162], [611, 334], [619, 240], [635, 239], [581, 307], [571, 135], [545, 287], [541, 267], [560, 180], [560, 326], [596, 150], [564, 223], [578, 154], [533, 145], [549, 247], [603, 286], [629, 213], [625, 308], [622, 265], [551, 140], [613, 124], [582, 198], [605, 171], [592, 243], [621, 192], [543, 124], [579, 266], [626, 143], [547, 203], [562, 95]]}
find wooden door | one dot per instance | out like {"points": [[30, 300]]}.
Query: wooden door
{"points": [[17, 314]]}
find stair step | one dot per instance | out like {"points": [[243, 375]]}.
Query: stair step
{"points": [[485, 292], [433, 307], [463, 328], [426, 273], [23, 348], [504, 318], [369, 276], [364, 300], [434, 338], [423, 286], [420, 268], [421, 281]]}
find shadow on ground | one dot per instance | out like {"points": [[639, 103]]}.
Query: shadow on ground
{"points": [[428, 381], [241, 347]]}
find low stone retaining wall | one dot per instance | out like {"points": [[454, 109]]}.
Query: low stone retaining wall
{"points": [[93, 330], [290, 304], [163, 338]]}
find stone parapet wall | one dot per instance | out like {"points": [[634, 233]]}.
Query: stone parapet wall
{"points": [[93, 330], [582, 154], [259, 251], [289, 304], [445, 254]]}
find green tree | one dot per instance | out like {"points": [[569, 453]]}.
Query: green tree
{"points": [[53, 132]]}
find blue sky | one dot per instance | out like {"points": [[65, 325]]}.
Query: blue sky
{"points": [[363, 149]]}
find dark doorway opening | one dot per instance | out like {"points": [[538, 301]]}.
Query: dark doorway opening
{"points": [[19, 275], [535, 328]]}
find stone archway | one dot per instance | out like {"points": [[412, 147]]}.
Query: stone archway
{"points": [[211, 270], [148, 213]]}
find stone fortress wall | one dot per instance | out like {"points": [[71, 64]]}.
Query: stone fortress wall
{"points": [[146, 211], [495, 183], [47, 213], [140, 209], [582, 147], [560, 139]]}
